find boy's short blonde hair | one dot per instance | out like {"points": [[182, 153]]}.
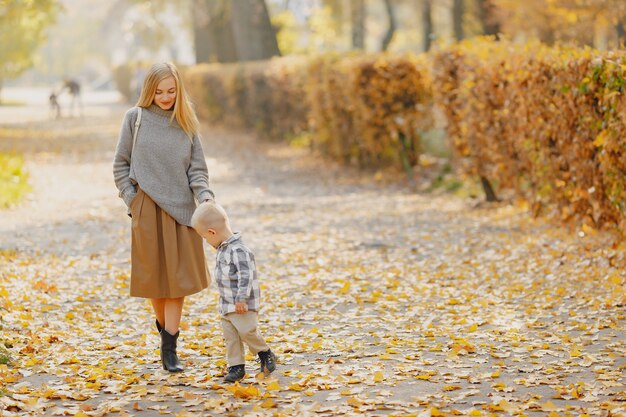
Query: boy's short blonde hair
{"points": [[209, 215]]}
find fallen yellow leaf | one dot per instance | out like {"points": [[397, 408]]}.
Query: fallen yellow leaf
{"points": [[273, 386], [378, 377], [269, 404]]}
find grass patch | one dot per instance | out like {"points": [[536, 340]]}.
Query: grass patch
{"points": [[448, 182], [13, 179], [300, 141], [5, 357], [433, 142]]}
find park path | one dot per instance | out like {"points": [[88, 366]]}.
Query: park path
{"points": [[377, 300]]}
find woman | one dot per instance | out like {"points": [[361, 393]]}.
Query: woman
{"points": [[167, 175]]}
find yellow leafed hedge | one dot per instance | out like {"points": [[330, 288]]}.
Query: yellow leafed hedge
{"points": [[268, 96], [371, 110], [368, 111], [545, 122]]}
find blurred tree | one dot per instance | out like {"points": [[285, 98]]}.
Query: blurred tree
{"points": [[201, 31], [255, 37], [391, 19], [591, 22], [458, 11], [213, 35], [427, 24], [357, 18], [288, 31], [231, 30], [487, 15], [22, 30]]}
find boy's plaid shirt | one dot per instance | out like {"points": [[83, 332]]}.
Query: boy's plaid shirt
{"points": [[236, 276]]}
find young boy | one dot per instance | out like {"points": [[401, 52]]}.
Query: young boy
{"points": [[236, 278]]}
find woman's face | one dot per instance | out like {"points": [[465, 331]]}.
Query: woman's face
{"points": [[165, 95]]}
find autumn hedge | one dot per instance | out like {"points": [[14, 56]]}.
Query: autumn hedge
{"points": [[542, 123], [545, 122], [367, 111]]}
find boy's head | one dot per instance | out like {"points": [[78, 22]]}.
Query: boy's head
{"points": [[211, 222]]}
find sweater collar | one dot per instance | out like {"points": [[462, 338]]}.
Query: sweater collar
{"points": [[156, 109]]}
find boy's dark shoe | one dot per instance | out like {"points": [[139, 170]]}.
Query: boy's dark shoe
{"points": [[268, 361], [235, 373]]}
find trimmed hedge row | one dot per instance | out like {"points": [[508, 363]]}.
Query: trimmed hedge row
{"points": [[546, 123], [269, 97], [367, 111]]}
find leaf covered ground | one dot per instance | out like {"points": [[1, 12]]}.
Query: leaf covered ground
{"points": [[376, 300]]}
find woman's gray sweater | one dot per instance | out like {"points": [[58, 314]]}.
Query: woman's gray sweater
{"points": [[167, 166]]}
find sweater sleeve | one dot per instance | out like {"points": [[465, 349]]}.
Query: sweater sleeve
{"points": [[198, 173], [121, 161]]}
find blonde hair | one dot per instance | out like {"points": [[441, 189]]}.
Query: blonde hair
{"points": [[183, 109], [209, 215]]}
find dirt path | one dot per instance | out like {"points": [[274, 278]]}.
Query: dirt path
{"points": [[378, 301]]}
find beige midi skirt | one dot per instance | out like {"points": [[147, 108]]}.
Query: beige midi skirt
{"points": [[167, 258]]}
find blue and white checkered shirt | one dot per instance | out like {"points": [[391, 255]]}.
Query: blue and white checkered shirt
{"points": [[236, 276]]}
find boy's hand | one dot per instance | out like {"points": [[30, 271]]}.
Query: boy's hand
{"points": [[241, 307]]}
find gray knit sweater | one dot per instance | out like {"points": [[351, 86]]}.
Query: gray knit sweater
{"points": [[167, 166]]}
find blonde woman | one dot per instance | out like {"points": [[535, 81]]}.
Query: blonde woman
{"points": [[168, 175]]}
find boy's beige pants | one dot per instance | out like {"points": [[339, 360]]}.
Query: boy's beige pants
{"points": [[240, 328]]}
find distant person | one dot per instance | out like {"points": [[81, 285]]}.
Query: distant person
{"points": [[238, 284], [160, 177], [73, 88], [55, 108]]}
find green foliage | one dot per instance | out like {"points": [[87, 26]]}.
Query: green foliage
{"points": [[22, 30], [287, 35], [13, 179], [4, 355]]}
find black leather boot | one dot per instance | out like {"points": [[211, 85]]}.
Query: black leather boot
{"points": [[168, 352], [159, 328], [235, 373]]}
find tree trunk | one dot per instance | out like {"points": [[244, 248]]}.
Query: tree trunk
{"points": [[427, 24], [601, 33], [222, 38], [457, 17], [201, 31], [255, 38], [488, 20], [490, 195], [621, 34], [357, 16], [392, 25], [213, 34]]}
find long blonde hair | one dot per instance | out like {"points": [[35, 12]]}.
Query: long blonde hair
{"points": [[183, 109]]}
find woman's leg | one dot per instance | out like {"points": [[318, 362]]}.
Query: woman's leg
{"points": [[173, 310], [158, 304]]}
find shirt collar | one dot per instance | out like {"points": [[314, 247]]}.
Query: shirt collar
{"points": [[235, 237]]}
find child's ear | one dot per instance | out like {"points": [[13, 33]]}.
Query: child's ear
{"points": [[211, 231]]}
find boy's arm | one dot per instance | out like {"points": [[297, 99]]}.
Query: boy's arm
{"points": [[245, 270]]}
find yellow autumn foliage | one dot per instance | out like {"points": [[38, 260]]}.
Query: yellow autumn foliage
{"points": [[544, 122]]}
